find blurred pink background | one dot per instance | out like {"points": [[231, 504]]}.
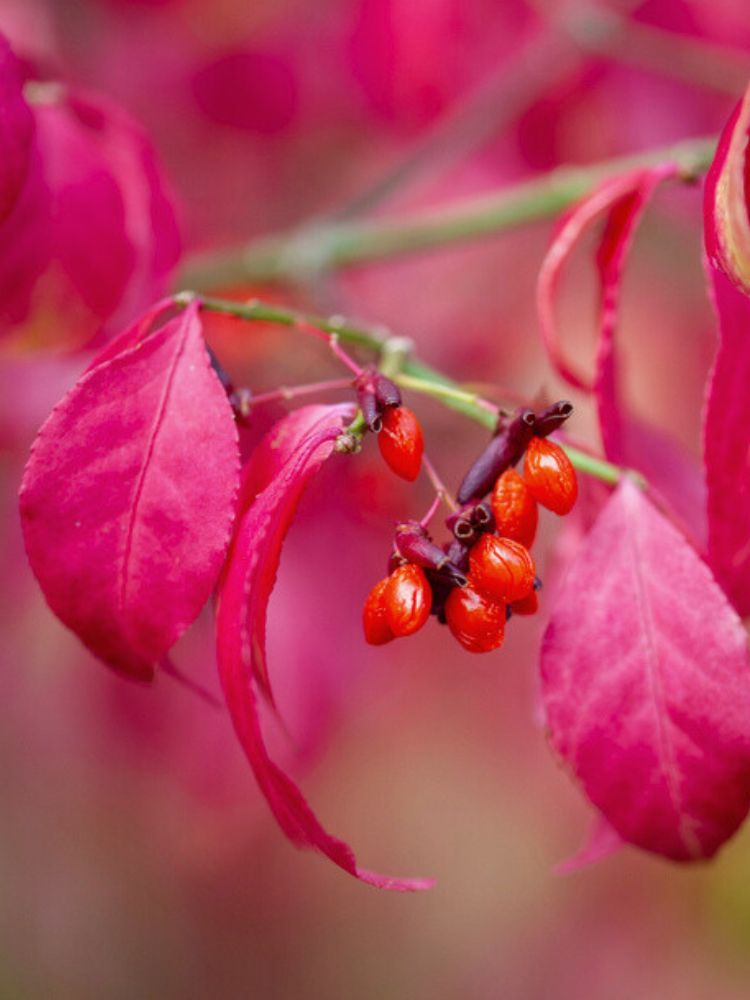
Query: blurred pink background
{"points": [[136, 855]]}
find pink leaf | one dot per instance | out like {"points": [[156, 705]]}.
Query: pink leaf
{"points": [[275, 479], [646, 685], [149, 217], [128, 497], [620, 201], [78, 175], [727, 411], [602, 842], [629, 198], [16, 130]]}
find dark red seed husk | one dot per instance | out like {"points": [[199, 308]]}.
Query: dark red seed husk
{"points": [[552, 418], [386, 392], [468, 524], [458, 554], [503, 451], [370, 412], [368, 403], [413, 543]]}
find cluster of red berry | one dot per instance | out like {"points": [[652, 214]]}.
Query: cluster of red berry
{"points": [[485, 573]]}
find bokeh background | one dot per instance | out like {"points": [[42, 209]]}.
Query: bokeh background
{"points": [[137, 858]]}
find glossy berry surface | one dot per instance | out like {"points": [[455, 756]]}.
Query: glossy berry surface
{"points": [[401, 442], [526, 606], [408, 599], [502, 569], [374, 621], [476, 621], [514, 508], [550, 476]]}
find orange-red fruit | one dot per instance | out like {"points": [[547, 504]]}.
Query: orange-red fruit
{"points": [[377, 629], [408, 599], [401, 442], [477, 622], [527, 606], [514, 508], [502, 569], [550, 476]]}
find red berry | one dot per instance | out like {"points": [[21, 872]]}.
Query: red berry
{"points": [[408, 599], [377, 629], [401, 442], [477, 622], [514, 508], [502, 569], [527, 606], [550, 476]]}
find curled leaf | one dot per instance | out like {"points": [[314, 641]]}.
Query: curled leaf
{"points": [[727, 410], [274, 481], [128, 496], [620, 202], [646, 685]]}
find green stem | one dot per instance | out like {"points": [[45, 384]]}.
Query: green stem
{"points": [[254, 309], [414, 375], [321, 247], [599, 468], [451, 395]]}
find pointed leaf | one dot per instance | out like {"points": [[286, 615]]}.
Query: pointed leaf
{"points": [[727, 411], [128, 497], [601, 843], [275, 480], [646, 684]]}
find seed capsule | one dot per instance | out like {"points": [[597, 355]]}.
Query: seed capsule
{"points": [[514, 507], [502, 569], [401, 442], [552, 418], [504, 450], [477, 622], [550, 476], [377, 629], [368, 404], [529, 605], [408, 599], [458, 554], [387, 392]]}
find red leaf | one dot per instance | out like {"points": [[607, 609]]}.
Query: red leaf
{"points": [[727, 412], [629, 199], [601, 843], [620, 201], [275, 479], [128, 496], [16, 130], [646, 685]]}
